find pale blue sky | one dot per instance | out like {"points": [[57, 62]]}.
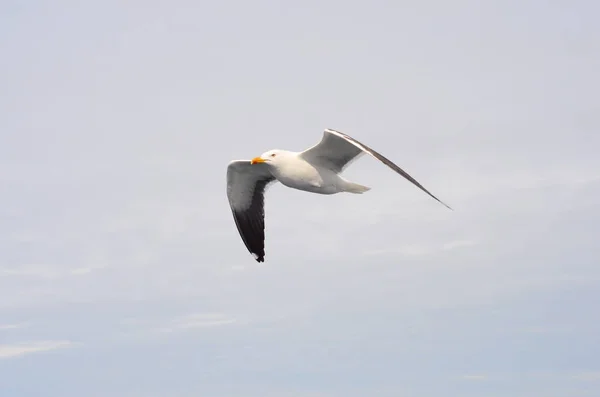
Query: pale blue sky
{"points": [[122, 273]]}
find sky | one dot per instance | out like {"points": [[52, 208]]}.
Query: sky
{"points": [[122, 273]]}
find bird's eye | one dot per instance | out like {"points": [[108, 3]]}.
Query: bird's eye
{"points": [[273, 155]]}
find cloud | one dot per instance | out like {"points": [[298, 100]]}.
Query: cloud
{"points": [[21, 349], [417, 250], [592, 376], [49, 272], [458, 244], [194, 321], [40, 271], [11, 326], [554, 329], [475, 377], [404, 250]]}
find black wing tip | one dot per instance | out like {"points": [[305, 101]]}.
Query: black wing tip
{"points": [[439, 201], [258, 258], [446, 205]]}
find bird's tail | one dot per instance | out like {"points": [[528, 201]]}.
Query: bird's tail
{"points": [[352, 187]]}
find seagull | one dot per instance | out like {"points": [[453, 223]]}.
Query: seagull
{"points": [[316, 170]]}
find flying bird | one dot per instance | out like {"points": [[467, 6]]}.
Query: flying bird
{"points": [[316, 169]]}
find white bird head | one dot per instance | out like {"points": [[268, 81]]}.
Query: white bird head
{"points": [[270, 157]]}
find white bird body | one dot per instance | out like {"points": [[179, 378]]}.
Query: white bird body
{"points": [[314, 170], [297, 173]]}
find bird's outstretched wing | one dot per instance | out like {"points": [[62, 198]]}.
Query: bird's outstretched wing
{"points": [[246, 185], [337, 150]]}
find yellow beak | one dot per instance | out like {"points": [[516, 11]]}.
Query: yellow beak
{"points": [[256, 160]]}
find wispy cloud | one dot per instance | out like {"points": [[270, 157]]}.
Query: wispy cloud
{"points": [[21, 349], [416, 250], [590, 376], [32, 270], [198, 320], [12, 326], [46, 271], [554, 329], [474, 377], [405, 250], [458, 244], [78, 271]]}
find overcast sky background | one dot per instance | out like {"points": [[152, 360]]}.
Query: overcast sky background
{"points": [[122, 273]]}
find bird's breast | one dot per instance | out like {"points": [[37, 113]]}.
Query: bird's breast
{"points": [[304, 176]]}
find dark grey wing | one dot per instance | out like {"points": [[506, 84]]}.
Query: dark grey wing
{"points": [[337, 148], [246, 185]]}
